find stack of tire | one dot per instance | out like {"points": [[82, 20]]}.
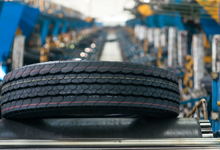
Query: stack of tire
{"points": [[97, 39], [89, 89], [32, 56], [129, 49], [131, 52]]}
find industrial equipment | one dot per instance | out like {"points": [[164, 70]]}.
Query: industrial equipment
{"points": [[57, 94]]}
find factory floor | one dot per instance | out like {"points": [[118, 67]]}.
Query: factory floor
{"points": [[111, 50]]}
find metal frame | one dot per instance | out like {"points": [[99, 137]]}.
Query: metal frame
{"points": [[44, 31], [64, 27], [112, 143], [56, 28], [157, 40], [172, 52], [198, 64], [150, 35], [182, 47], [215, 83], [204, 106]]}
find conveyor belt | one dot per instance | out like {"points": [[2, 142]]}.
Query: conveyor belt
{"points": [[107, 133], [134, 128]]}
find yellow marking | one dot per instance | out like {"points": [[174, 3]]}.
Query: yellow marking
{"points": [[211, 7], [145, 10], [218, 104]]}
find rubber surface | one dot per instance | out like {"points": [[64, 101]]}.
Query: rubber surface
{"points": [[102, 128], [84, 88]]}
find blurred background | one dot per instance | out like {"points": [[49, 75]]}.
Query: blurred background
{"points": [[179, 35]]}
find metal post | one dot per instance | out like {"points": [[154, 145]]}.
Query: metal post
{"points": [[64, 28], [18, 51], [56, 28], [215, 109], [156, 37], [141, 35], [150, 35], [172, 52], [163, 37], [215, 82], [216, 53], [198, 55], [182, 47], [44, 31]]}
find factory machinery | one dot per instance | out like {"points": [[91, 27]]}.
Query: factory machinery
{"points": [[86, 104], [182, 37], [45, 31]]}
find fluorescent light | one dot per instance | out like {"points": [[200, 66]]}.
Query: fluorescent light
{"points": [[146, 1], [115, 18], [2, 73], [76, 59]]}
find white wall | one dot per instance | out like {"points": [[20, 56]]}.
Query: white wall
{"points": [[110, 12]]}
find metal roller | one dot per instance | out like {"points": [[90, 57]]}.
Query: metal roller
{"points": [[184, 143], [206, 128]]}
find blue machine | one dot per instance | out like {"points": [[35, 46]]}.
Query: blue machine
{"points": [[215, 108], [15, 14], [44, 30]]}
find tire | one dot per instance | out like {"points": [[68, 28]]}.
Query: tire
{"points": [[88, 89]]}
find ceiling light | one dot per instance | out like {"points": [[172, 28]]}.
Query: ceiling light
{"points": [[2, 73], [76, 59]]}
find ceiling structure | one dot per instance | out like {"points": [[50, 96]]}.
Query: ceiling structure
{"points": [[109, 12]]}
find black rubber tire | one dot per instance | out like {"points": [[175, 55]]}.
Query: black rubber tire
{"points": [[84, 88]]}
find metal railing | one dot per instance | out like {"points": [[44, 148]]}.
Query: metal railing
{"points": [[197, 107], [186, 9]]}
